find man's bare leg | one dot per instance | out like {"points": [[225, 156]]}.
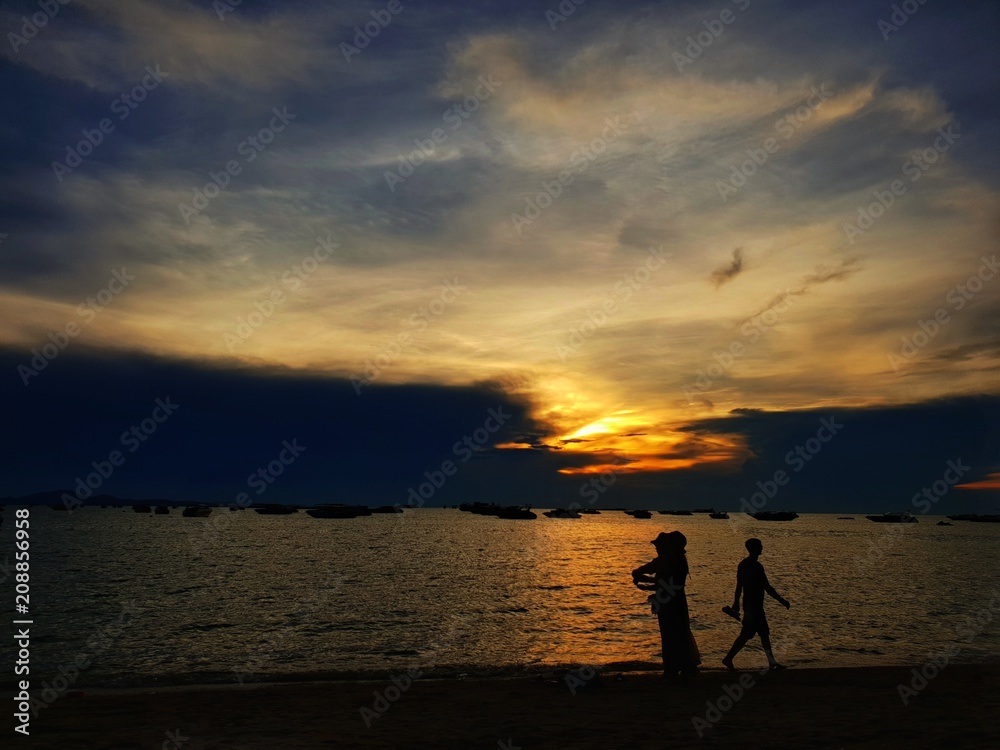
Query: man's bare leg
{"points": [[765, 640], [738, 645]]}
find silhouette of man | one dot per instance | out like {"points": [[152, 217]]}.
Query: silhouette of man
{"points": [[751, 580]]}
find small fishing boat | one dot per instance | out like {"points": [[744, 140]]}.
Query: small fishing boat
{"points": [[639, 513], [484, 509], [720, 514], [904, 517], [561, 513], [197, 511], [945, 523], [274, 509], [517, 512], [775, 515], [335, 511], [480, 509]]}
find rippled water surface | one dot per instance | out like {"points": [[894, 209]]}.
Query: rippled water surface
{"points": [[279, 596]]}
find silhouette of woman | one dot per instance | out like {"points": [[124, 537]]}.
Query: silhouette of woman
{"points": [[666, 575]]}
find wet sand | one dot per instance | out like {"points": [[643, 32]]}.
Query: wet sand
{"points": [[797, 708]]}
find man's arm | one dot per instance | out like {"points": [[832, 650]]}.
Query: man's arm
{"points": [[739, 589], [774, 594]]}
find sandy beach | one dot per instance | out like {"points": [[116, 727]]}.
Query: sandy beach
{"points": [[797, 708]]}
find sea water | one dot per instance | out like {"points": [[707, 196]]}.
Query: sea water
{"points": [[154, 599]]}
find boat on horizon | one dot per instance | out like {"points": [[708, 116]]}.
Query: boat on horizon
{"points": [[975, 518], [904, 517], [197, 511], [639, 513], [517, 512], [480, 509], [775, 515], [336, 511], [719, 514], [274, 509], [561, 513]]}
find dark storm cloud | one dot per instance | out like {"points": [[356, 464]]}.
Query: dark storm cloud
{"points": [[877, 461], [373, 447], [360, 448]]}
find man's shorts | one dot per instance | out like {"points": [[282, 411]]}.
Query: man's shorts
{"points": [[754, 622]]}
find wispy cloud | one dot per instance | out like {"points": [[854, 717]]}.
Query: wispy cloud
{"points": [[653, 186], [728, 271]]}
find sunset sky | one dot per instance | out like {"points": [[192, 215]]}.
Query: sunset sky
{"points": [[668, 257]]}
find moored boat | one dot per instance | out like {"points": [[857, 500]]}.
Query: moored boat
{"points": [[197, 511], [639, 513], [335, 511], [561, 513], [904, 517], [775, 515], [517, 512], [274, 509], [720, 514], [976, 518], [480, 509]]}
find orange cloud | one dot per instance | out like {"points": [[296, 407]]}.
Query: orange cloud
{"points": [[992, 482]]}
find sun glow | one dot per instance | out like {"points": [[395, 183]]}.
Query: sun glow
{"points": [[625, 442], [604, 426]]}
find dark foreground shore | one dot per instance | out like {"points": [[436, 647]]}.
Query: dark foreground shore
{"points": [[798, 708]]}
